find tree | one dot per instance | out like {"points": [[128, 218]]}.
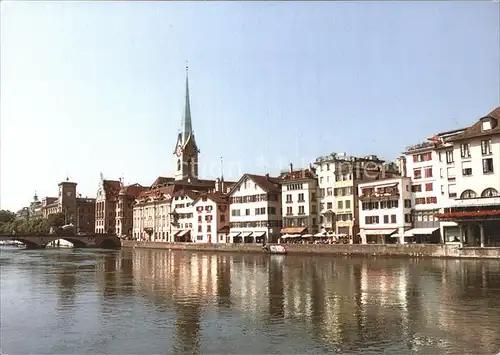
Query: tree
{"points": [[56, 219], [6, 216]]}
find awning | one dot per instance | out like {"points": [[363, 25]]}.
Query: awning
{"points": [[320, 234], [379, 231], [329, 212], [258, 234], [291, 236], [307, 236], [234, 234], [420, 231], [386, 185], [293, 230], [183, 233], [246, 234]]}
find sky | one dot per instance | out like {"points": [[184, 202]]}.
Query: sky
{"points": [[91, 87]]}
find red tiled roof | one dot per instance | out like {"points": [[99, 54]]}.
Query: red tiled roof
{"points": [[300, 174], [161, 180], [133, 190], [476, 130], [111, 188], [217, 197], [166, 190], [193, 195]]}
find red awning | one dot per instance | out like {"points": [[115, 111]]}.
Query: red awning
{"points": [[468, 214]]}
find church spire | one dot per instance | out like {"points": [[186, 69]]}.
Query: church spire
{"points": [[187, 128]]}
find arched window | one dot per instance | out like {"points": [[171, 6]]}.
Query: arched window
{"points": [[178, 164], [489, 192], [468, 194]]}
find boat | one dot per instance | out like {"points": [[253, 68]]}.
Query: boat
{"points": [[274, 249]]}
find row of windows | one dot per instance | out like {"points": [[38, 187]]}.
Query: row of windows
{"points": [[258, 211], [289, 210], [254, 224], [375, 205], [387, 219]]}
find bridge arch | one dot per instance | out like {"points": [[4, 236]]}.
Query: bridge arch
{"points": [[110, 243], [77, 243]]}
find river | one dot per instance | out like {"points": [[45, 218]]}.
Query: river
{"points": [[81, 301]]}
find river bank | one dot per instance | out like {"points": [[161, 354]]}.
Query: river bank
{"points": [[390, 250]]}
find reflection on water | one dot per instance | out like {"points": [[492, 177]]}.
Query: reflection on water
{"points": [[146, 302]]}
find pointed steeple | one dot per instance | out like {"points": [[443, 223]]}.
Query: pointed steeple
{"points": [[187, 128]]}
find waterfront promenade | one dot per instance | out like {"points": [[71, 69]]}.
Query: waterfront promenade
{"points": [[366, 250]]}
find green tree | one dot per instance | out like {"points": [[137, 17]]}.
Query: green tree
{"points": [[6, 216], [56, 219]]}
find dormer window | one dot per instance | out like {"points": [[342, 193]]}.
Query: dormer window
{"points": [[486, 125]]}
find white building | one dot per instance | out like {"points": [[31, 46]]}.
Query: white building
{"points": [[299, 202], [431, 167], [211, 218], [477, 207], [183, 215], [255, 209], [385, 210]]}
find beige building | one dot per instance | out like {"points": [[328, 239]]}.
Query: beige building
{"points": [[338, 178], [299, 202], [255, 209], [124, 209], [106, 201]]}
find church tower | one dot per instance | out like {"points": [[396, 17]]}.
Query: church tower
{"points": [[186, 151]]}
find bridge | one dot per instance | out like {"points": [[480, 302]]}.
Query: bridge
{"points": [[40, 241]]}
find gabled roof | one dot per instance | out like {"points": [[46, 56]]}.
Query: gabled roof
{"points": [[193, 195], [160, 181], [133, 190], [476, 129], [265, 182], [217, 197]]}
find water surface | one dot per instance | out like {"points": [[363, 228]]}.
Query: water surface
{"points": [[169, 302]]}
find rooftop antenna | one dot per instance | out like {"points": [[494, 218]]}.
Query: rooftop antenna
{"points": [[221, 169]]}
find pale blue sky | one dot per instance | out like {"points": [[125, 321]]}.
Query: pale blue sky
{"points": [[99, 87]]}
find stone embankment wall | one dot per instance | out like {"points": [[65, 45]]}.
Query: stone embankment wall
{"points": [[408, 250]]}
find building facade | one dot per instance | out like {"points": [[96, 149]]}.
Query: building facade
{"points": [[211, 218], [255, 215], [385, 210], [124, 209], [476, 210], [338, 178], [299, 201], [431, 166], [106, 202]]}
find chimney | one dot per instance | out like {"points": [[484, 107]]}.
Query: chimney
{"points": [[291, 168], [267, 176], [217, 185]]}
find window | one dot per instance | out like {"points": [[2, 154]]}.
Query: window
{"points": [[301, 197], [371, 220], [321, 180], [468, 194], [486, 147], [428, 187], [247, 212], [288, 198], [329, 191], [428, 172], [490, 192], [452, 191], [347, 204], [340, 205], [466, 168], [488, 166], [440, 155], [393, 218], [302, 210], [465, 150], [416, 188], [199, 218], [327, 167], [407, 203], [289, 211], [386, 219], [417, 173], [271, 210], [449, 157]]}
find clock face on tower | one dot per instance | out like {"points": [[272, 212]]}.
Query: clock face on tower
{"points": [[178, 151]]}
